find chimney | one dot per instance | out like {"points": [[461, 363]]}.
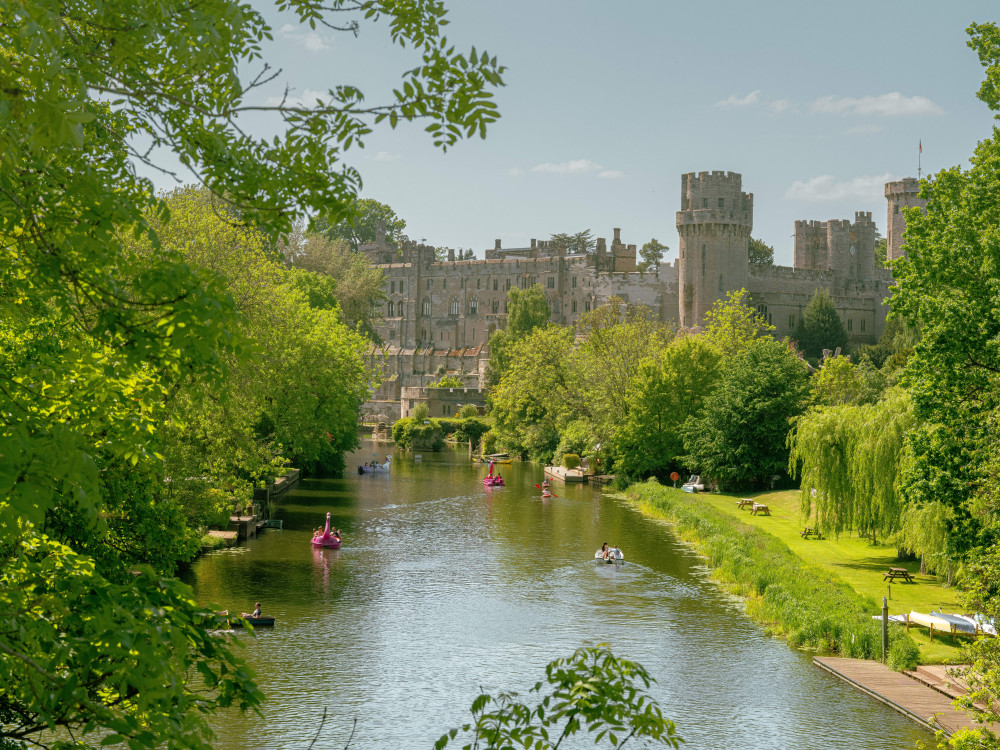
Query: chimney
{"points": [[496, 244]]}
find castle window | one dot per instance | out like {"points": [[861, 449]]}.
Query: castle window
{"points": [[574, 282], [427, 307], [722, 202], [850, 324], [454, 306], [429, 283], [574, 305], [473, 306], [508, 283], [703, 261], [896, 211], [392, 309], [552, 282], [392, 333], [791, 321], [704, 202], [504, 308], [393, 287], [496, 306], [401, 286], [586, 305], [862, 325], [444, 284], [762, 309], [494, 285], [479, 283]]}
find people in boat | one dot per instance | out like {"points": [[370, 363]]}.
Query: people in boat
{"points": [[255, 613], [603, 552], [545, 485], [361, 469], [615, 554]]}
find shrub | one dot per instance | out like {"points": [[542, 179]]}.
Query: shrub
{"points": [[471, 429], [448, 426], [420, 411], [489, 442], [903, 654], [570, 460], [468, 411]]}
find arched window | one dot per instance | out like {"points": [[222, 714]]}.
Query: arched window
{"points": [[454, 306], [473, 306], [496, 306], [392, 309], [427, 307]]}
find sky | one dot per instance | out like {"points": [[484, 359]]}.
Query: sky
{"points": [[605, 105]]}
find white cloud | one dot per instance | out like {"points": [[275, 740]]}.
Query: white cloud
{"points": [[827, 188], [611, 174], [306, 99], [515, 172], [780, 106], [386, 156], [308, 38], [884, 105], [575, 166], [739, 101]]}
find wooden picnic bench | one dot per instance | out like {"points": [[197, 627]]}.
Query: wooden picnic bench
{"points": [[758, 508], [809, 531], [744, 503], [895, 573]]}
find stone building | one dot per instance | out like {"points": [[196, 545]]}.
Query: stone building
{"points": [[901, 194], [439, 314]]}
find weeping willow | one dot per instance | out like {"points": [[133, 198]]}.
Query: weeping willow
{"points": [[849, 458]]}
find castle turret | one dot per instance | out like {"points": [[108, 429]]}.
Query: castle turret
{"points": [[714, 226], [901, 194]]}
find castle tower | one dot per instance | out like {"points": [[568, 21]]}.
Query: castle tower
{"points": [[900, 195], [714, 225]]}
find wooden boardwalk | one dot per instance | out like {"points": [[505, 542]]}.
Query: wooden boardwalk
{"points": [[905, 694]]}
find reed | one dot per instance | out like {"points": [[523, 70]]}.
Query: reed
{"points": [[789, 597]]}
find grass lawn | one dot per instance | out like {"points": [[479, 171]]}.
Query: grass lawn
{"points": [[857, 563]]}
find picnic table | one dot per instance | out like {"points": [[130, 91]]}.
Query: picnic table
{"points": [[809, 531], [758, 508], [744, 503], [895, 573]]}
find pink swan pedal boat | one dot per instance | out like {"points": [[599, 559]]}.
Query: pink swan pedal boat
{"points": [[326, 539], [493, 480]]}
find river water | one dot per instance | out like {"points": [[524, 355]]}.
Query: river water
{"points": [[443, 588]]}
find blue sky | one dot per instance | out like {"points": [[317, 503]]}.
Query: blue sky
{"points": [[607, 104]]}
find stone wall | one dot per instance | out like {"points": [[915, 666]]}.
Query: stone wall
{"points": [[441, 402]]}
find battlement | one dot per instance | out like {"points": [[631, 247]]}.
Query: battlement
{"points": [[906, 185], [863, 217]]}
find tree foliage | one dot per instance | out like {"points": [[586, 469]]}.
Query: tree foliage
{"points": [[739, 441], [852, 456], [760, 252], [820, 326], [732, 323], [592, 691], [362, 225], [527, 309], [666, 390], [651, 253], [578, 243]]}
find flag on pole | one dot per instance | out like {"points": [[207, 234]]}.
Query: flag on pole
{"points": [[921, 143]]}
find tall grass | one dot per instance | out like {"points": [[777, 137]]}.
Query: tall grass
{"points": [[789, 597]]}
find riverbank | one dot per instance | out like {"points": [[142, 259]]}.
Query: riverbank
{"points": [[819, 594]]}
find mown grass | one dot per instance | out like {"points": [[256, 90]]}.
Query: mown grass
{"points": [[803, 600]]}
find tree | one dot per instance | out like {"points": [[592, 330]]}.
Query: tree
{"points": [[592, 691], [97, 336], [362, 225], [853, 456], [357, 285], [580, 243], [667, 390], [527, 310], [731, 325], [760, 252], [739, 441], [836, 382], [651, 253], [538, 393], [820, 326]]}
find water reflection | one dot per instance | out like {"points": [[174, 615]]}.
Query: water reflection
{"points": [[443, 587]]}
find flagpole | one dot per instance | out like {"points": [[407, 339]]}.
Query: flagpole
{"points": [[920, 153]]}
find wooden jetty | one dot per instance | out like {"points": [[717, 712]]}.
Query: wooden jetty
{"points": [[565, 475], [912, 698]]}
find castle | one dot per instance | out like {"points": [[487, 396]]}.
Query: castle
{"points": [[439, 314]]}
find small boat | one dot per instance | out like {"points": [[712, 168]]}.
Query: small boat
{"points": [[493, 480], [612, 558], [255, 621], [496, 458], [326, 539], [375, 468], [546, 493]]}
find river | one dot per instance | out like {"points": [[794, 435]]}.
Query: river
{"points": [[443, 588]]}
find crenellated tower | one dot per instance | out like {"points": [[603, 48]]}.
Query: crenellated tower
{"points": [[714, 226], [901, 194]]}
